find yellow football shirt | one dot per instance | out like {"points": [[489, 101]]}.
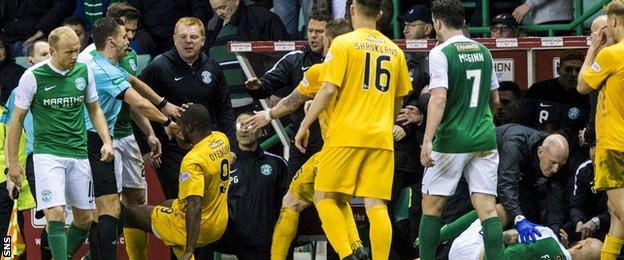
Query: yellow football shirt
{"points": [[309, 86], [370, 72], [205, 172], [607, 76]]}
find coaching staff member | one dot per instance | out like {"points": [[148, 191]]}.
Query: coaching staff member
{"points": [[182, 75]]}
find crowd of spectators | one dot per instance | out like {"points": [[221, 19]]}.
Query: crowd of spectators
{"points": [[545, 171]]}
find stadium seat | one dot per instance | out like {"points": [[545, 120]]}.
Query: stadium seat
{"points": [[142, 61], [22, 61]]}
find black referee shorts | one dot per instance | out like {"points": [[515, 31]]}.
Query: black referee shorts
{"points": [[104, 180]]}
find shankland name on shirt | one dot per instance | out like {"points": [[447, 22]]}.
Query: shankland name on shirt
{"points": [[372, 47]]}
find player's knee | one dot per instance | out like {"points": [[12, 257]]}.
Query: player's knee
{"points": [[55, 214], [83, 221], [370, 203], [318, 196], [108, 205], [293, 203], [433, 205], [134, 196]]}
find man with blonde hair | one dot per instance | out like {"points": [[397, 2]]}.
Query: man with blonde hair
{"points": [[602, 71], [56, 92]]}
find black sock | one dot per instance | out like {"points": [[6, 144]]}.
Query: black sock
{"points": [[107, 234], [46, 254], [93, 241]]}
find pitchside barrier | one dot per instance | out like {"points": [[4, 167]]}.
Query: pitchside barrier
{"points": [[522, 60]]}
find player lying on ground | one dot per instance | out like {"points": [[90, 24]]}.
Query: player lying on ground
{"points": [[468, 243], [199, 215]]}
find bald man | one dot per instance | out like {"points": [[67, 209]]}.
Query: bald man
{"points": [[529, 161]]}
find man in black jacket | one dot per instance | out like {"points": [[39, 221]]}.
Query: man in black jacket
{"points": [[258, 180], [182, 75], [527, 185], [24, 22], [10, 72], [236, 21], [588, 208], [284, 77]]}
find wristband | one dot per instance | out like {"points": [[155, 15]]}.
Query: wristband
{"points": [[162, 103], [168, 122]]}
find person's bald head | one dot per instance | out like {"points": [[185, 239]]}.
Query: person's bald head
{"points": [[599, 23], [586, 249], [552, 154]]}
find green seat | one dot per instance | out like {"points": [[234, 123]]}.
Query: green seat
{"points": [[142, 61], [22, 61]]}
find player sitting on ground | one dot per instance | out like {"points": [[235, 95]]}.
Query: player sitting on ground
{"points": [[199, 215], [301, 190], [468, 243]]}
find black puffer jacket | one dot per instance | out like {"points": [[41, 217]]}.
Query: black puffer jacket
{"points": [[522, 188]]}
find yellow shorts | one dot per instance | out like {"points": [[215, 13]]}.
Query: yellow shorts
{"points": [[356, 171], [302, 185], [609, 169], [169, 224]]}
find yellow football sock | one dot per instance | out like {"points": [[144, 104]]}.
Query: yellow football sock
{"points": [[380, 231], [334, 226], [136, 243], [284, 233], [178, 251], [354, 236], [611, 248]]}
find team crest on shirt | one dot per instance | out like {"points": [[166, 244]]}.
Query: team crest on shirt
{"points": [[80, 83], [266, 169], [206, 77], [596, 67], [133, 64], [328, 57], [184, 176], [46, 195], [574, 113]]}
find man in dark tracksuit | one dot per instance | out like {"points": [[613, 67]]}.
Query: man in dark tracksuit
{"points": [[588, 208], [284, 77], [527, 184], [258, 181], [201, 83]]}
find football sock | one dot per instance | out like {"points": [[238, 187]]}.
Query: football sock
{"points": [[44, 249], [380, 231], [284, 233], [354, 236], [94, 248], [493, 238], [334, 226], [107, 235], [611, 248], [429, 236], [455, 228], [57, 239], [136, 243], [75, 238]]}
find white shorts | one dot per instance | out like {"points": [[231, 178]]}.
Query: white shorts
{"points": [[468, 245], [63, 181], [479, 168], [129, 168]]}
